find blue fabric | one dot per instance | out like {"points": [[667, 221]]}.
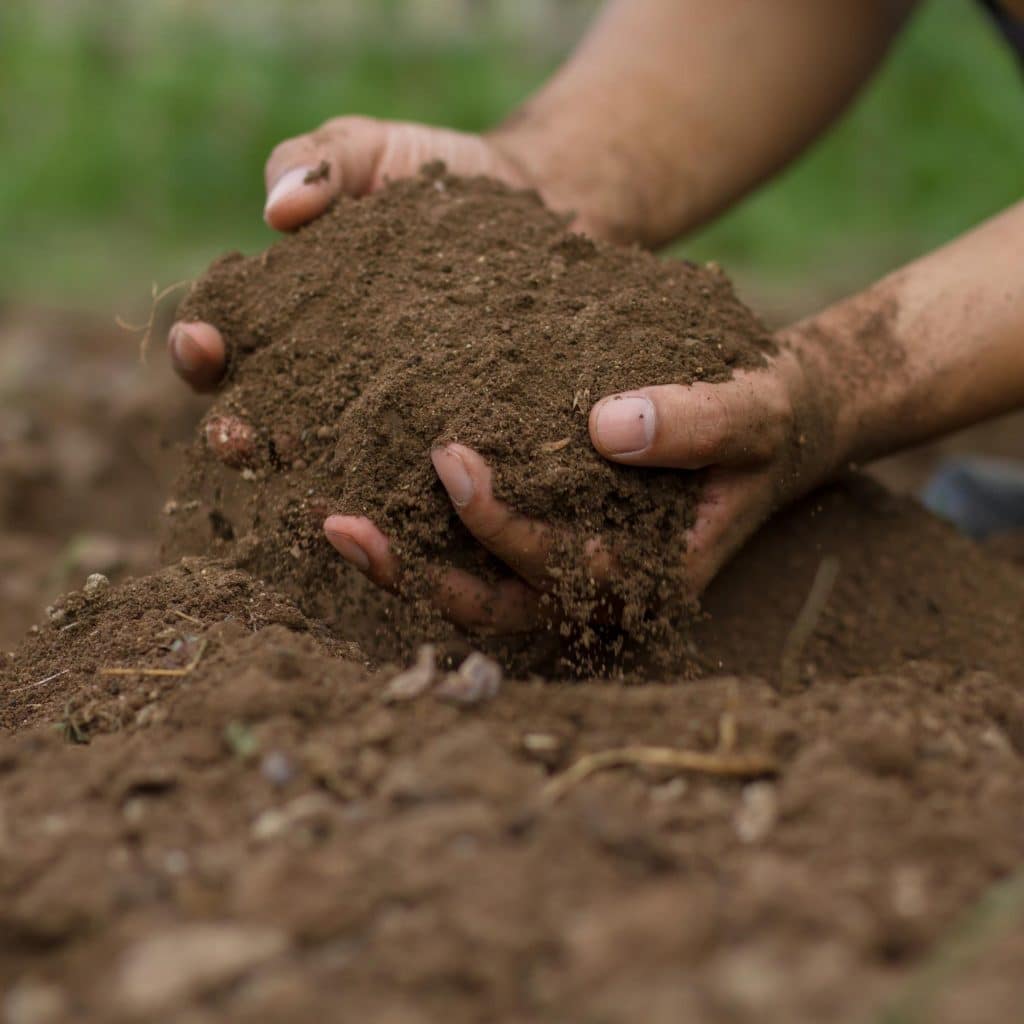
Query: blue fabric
{"points": [[980, 496]]}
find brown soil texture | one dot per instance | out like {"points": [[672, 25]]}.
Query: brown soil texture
{"points": [[261, 837], [209, 811], [88, 442], [447, 309]]}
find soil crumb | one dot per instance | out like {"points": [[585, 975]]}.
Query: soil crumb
{"points": [[446, 309]]}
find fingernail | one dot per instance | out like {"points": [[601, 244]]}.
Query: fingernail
{"points": [[349, 549], [187, 353], [454, 475], [289, 182], [625, 424]]}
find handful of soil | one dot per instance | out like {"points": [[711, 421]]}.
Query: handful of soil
{"points": [[446, 309]]}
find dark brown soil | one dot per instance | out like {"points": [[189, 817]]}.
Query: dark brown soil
{"points": [[260, 837], [447, 309], [209, 811], [87, 439]]}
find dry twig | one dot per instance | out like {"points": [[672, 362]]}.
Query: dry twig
{"points": [[189, 668], [187, 618], [42, 682], [550, 447], [730, 765], [807, 621]]}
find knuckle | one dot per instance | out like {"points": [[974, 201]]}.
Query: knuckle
{"points": [[329, 131], [777, 417], [286, 152]]}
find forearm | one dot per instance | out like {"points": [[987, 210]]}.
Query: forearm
{"points": [[670, 110], [934, 347]]}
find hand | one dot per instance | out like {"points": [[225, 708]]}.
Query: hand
{"points": [[746, 436], [349, 156]]}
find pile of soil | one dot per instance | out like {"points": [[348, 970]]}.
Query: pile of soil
{"points": [[447, 309], [211, 809], [258, 835]]}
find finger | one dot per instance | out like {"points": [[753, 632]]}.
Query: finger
{"points": [[198, 354], [509, 606], [738, 423], [731, 509], [304, 174], [505, 607], [362, 544], [523, 544]]}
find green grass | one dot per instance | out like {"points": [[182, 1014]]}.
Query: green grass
{"points": [[133, 147]]}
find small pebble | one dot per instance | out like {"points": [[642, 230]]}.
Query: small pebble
{"points": [[541, 742], [276, 767], [34, 1002], [757, 813], [477, 680], [95, 583], [414, 681]]}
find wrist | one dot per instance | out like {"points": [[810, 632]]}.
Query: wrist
{"points": [[822, 437], [559, 152]]}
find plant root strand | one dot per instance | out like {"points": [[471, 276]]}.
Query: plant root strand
{"points": [[729, 765]]}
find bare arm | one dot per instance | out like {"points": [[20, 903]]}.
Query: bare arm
{"points": [[670, 110], [934, 347]]}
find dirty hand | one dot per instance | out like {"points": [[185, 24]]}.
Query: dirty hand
{"points": [[349, 156], [746, 436]]}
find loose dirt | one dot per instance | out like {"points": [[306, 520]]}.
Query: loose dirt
{"points": [[213, 807], [445, 309]]}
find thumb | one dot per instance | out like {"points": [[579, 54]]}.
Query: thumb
{"points": [[738, 423]]}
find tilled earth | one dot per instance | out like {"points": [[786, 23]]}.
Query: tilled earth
{"points": [[212, 808]]}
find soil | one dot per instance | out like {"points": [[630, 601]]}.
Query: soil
{"points": [[212, 808], [445, 309], [257, 835]]}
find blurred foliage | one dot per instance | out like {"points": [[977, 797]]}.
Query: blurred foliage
{"points": [[133, 145]]}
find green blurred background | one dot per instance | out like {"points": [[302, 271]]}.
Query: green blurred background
{"points": [[133, 133]]}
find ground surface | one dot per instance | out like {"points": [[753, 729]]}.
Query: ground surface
{"points": [[253, 833]]}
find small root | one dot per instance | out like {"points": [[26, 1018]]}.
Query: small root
{"points": [[550, 447], [729, 765], [42, 682], [187, 618], [146, 329], [807, 622], [187, 670]]}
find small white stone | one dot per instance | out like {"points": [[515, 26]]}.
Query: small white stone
{"points": [[478, 680], [95, 583], [414, 681], [757, 813], [163, 971], [34, 1002]]}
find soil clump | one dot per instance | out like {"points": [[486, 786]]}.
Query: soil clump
{"points": [[444, 309]]}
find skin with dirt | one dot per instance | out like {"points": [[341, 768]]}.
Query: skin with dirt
{"points": [[212, 806]]}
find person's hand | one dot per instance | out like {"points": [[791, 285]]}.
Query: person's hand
{"points": [[749, 438], [350, 156]]}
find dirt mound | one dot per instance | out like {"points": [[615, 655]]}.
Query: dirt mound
{"points": [[72, 671], [260, 836], [447, 309], [212, 810]]}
